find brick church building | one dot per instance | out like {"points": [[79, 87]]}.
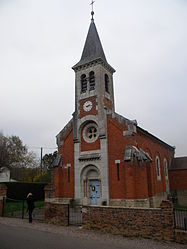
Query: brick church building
{"points": [[103, 157]]}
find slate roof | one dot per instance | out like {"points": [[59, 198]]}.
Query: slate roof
{"points": [[155, 138], [122, 118], [93, 49], [179, 163]]}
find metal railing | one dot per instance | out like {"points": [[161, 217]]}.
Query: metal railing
{"points": [[75, 215], [18, 209], [13, 208], [180, 219]]}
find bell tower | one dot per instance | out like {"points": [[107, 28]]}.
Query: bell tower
{"points": [[93, 79], [94, 98]]}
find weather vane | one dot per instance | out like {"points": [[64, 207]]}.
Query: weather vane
{"points": [[92, 13]]}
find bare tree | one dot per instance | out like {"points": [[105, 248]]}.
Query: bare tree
{"points": [[13, 153]]}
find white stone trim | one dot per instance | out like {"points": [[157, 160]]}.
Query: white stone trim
{"points": [[117, 161], [158, 173]]}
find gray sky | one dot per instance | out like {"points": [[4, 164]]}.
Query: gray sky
{"points": [[145, 41]]}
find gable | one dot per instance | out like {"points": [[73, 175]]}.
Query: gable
{"points": [[132, 128], [63, 134]]}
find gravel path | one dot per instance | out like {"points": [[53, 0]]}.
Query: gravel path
{"points": [[78, 232]]}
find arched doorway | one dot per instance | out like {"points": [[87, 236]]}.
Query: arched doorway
{"points": [[91, 185], [94, 191]]}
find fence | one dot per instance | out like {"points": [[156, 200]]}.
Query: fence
{"points": [[18, 209], [75, 215], [180, 219]]}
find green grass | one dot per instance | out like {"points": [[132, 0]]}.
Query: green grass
{"points": [[39, 204], [16, 206], [13, 206]]}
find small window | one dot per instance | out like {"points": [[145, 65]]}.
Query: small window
{"points": [[92, 80], [128, 154], [118, 173], [68, 174], [106, 83], [165, 168], [83, 83], [157, 161]]}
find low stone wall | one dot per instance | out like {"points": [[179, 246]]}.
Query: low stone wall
{"points": [[154, 223], [130, 203], [56, 213]]}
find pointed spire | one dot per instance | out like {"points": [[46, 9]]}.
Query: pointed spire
{"points": [[93, 49]]}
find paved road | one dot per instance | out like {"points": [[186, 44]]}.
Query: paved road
{"points": [[19, 234]]}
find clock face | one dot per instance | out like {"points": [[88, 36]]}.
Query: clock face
{"points": [[87, 106]]}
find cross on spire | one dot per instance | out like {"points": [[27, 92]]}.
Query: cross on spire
{"points": [[92, 13], [92, 3]]}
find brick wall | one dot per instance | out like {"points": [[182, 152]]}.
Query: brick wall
{"points": [[178, 183], [64, 177], [153, 223], [147, 223], [56, 213], [178, 179], [136, 181]]}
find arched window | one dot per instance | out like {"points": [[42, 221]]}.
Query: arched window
{"points": [[157, 161], [128, 154], [106, 83], [165, 168], [83, 83], [166, 174], [92, 80]]}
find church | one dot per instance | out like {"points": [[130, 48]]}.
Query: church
{"points": [[103, 157]]}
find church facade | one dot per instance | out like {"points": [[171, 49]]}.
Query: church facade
{"points": [[103, 157]]}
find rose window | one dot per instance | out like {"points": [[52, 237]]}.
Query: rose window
{"points": [[90, 133]]}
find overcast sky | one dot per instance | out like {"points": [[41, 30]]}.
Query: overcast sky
{"points": [[144, 40]]}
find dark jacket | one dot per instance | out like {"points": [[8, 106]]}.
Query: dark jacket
{"points": [[30, 203]]}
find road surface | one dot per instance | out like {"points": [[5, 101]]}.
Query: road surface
{"points": [[19, 234]]}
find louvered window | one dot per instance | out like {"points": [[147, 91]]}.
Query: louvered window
{"points": [[83, 83], [106, 83], [92, 80]]}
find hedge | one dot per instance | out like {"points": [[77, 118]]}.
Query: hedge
{"points": [[20, 190]]}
